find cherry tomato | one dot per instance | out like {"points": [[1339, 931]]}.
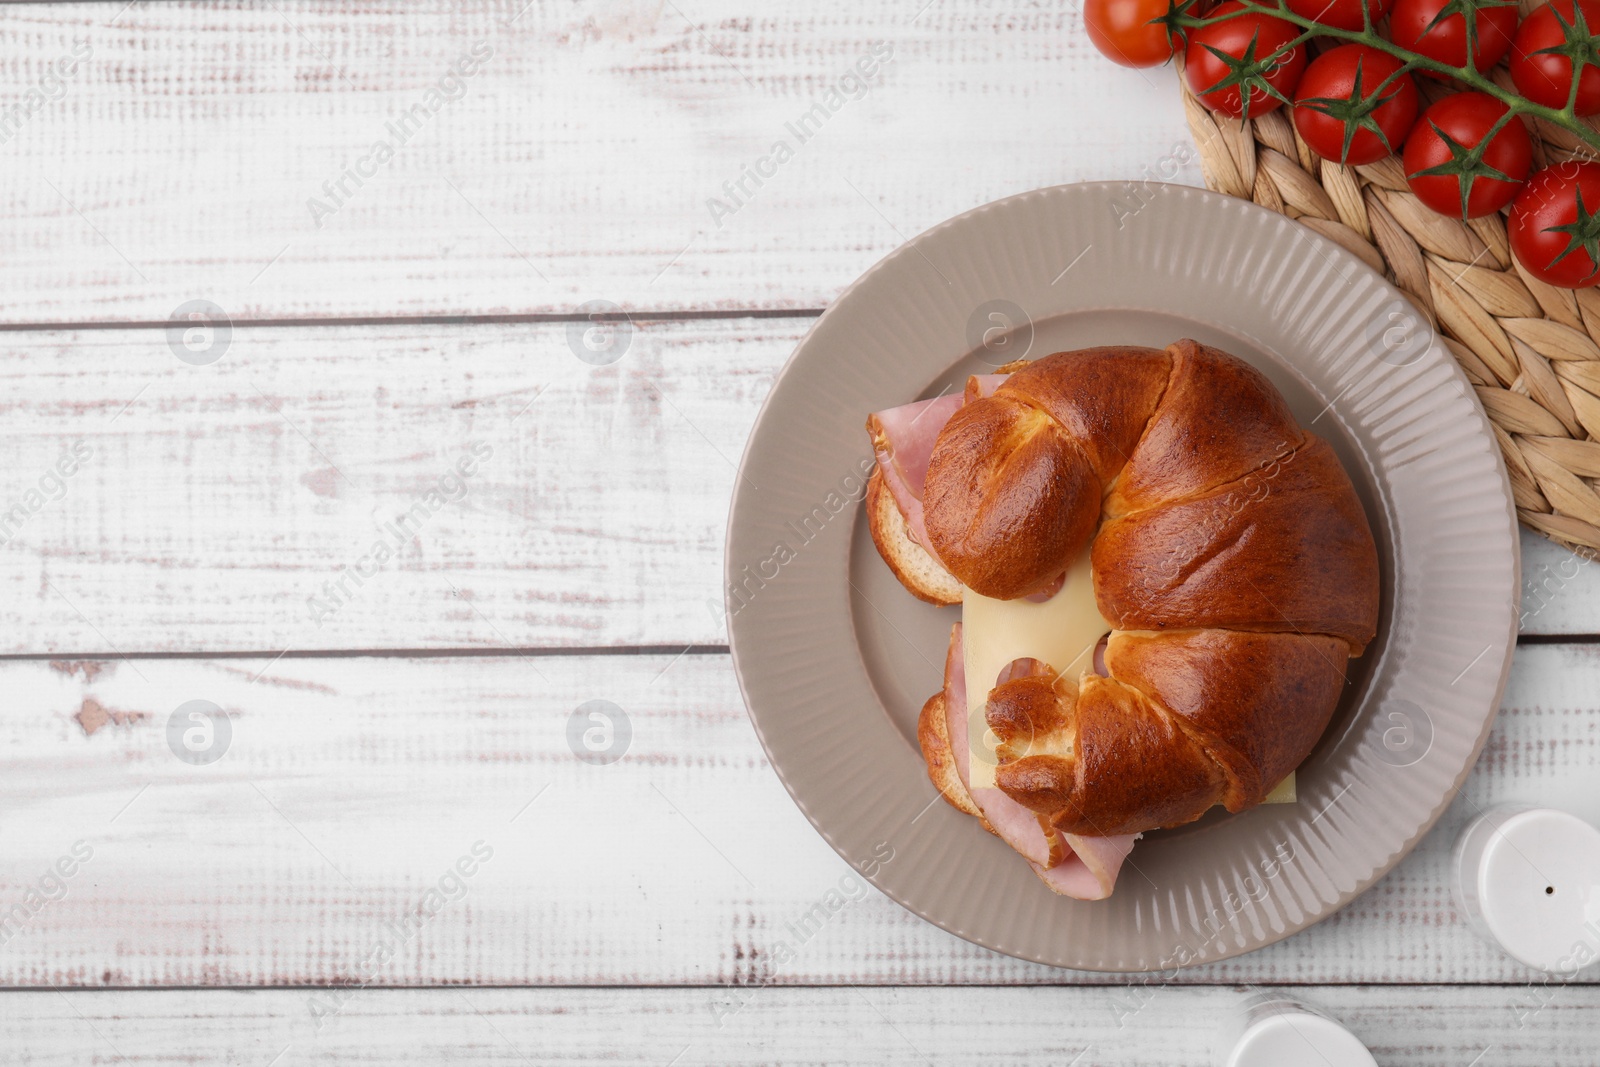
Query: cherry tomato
{"points": [[1451, 167], [1340, 113], [1229, 63], [1555, 225], [1438, 29], [1545, 77], [1128, 31], [1340, 14]]}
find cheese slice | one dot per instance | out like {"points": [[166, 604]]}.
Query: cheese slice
{"points": [[1062, 632], [1284, 793]]}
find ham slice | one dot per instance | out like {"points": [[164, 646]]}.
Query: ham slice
{"points": [[1101, 857], [1081, 867], [982, 385], [1045, 594], [903, 440]]}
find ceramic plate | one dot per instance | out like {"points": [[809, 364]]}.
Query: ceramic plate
{"points": [[835, 659]]}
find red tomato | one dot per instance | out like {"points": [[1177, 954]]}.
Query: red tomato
{"points": [[1340, 113], [1340, 14], [1450, 166], [1129, 31], [1554, 228], [1413, 26], [1546, 77], [1230, 67]]}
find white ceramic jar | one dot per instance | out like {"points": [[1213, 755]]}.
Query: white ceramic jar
{"points": [[1274, 1029]]}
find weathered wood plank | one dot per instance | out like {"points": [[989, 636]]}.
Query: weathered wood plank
{"points": [[228, 151], [232, 507], [1424, 1026], [351, 787], [249, 504]]}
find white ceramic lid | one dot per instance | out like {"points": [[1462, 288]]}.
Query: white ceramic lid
{"points": [[1532, 878], [1299, 1037]]}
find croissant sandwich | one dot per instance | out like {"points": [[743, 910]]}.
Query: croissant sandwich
{"points": [[1162, 577]]}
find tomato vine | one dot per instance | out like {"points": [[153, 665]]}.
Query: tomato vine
{"points": [[1180, 20]]}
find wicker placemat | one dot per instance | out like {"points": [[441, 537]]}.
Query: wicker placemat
{"points": [[1532, 351]]}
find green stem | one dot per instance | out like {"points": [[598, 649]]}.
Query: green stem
{"points": [[1566, 117]]}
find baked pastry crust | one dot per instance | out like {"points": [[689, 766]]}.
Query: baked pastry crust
{"points": [[1231, 557], [922, 575]]}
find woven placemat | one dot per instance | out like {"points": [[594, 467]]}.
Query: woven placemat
{"points": [[1532, 351]]}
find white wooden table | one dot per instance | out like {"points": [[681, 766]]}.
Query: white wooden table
{"points": [[397, 857]]}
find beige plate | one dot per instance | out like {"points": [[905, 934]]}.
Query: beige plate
{"points": [[835, 659]]}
